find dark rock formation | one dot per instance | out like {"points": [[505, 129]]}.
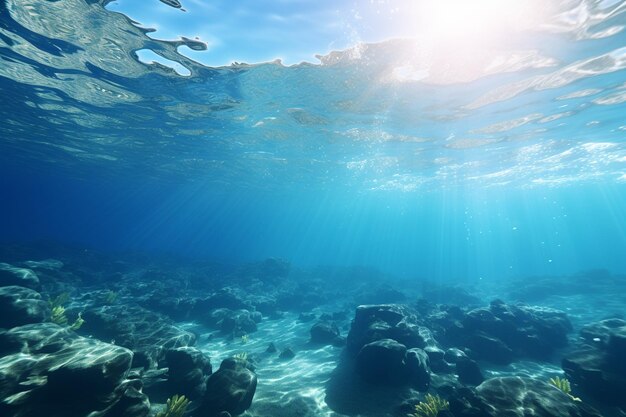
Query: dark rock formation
{"points": [[146, 333], [19, 306], [516, 396], [23, 277], [382, 362], [501, 333], [230, 389], [224, 298], [386, 321], [235, 322], [287, 354], [188, 369], [325, 333], [468, 371], [598, 367], [41, 361]]}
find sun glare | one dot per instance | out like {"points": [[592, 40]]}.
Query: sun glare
{"points": [[489, 22]]}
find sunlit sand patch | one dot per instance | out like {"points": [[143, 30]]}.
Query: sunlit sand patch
{"points": [[301, 378]]}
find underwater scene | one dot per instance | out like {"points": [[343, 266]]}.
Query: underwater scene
{"points": [[313, 208]]}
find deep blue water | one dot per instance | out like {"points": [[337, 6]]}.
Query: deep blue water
{"points": [[514, 169]]}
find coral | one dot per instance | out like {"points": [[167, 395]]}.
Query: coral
{"points": [[431, 406], [176, 407]]}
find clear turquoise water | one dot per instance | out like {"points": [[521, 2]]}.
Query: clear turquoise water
{"points": [[506, 165]]}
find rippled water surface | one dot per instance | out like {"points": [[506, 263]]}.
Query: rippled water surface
{"points": [[125, 117]]}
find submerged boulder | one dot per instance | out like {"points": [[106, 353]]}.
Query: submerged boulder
{"points": [[188, 369], [12, 275], [43, 360], [519, 396], [325, 332], [230, 389], [146, 333], [502, 333], [598, 367], [386, 321], [382, 362], [19, 306]]}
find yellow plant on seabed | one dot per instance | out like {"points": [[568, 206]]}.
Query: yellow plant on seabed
{"points": [[431, 406], [59, 300], [58, 316], [564, 385], [176, 407]]}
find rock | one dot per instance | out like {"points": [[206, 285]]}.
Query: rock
{"points": [[382, 362], [324, 332], [418, 368], [517, 396], [131, 403], [598, 366], [376, 322], [436, 359], [225, 298], [23, 277], [236, 322], [490, 349], [468, 371], [287, 354], [146, 333], [598, 333], [453, 355], [177, 308], [188, 369], [51, 264], [42, 360], [502, 333], [230, 389], [616, 350], [19, 306], [265, 305]]}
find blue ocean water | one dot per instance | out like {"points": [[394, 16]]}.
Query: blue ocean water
{"points": [[312, 208], [516, 167]]}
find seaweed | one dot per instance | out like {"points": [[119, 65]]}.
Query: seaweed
{"points": [[431, 406], [176, 406]]}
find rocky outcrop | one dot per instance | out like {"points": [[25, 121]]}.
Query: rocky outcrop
{"points": [[230, 389], [326, 332], [517, 397], [48, 370], [19, 306], [386, 321], [146, 333], [23, 277], [502, 333], [188, 369], [598, 366]]}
